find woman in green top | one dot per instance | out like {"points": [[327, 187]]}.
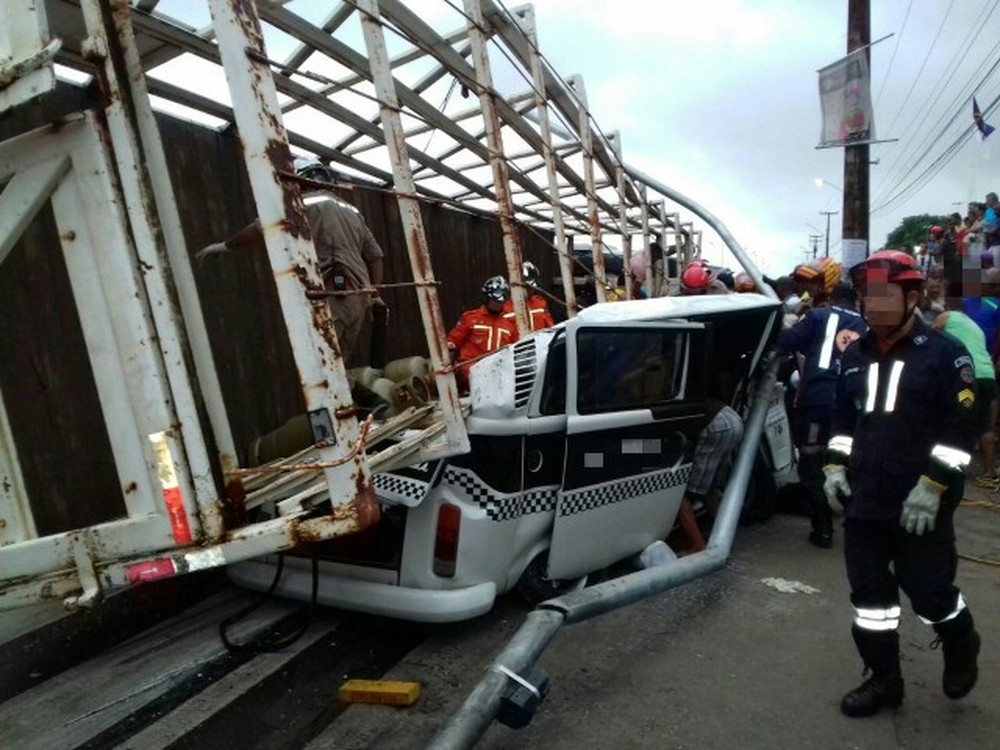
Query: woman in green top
{"points": [[956, 323]]}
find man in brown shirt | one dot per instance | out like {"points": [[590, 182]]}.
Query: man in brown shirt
{"points": [[349, 257]]}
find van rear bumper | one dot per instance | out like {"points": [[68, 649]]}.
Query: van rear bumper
{"points": [[386, 600]]}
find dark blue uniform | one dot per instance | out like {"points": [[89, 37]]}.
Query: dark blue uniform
{"points": [[821, 336], [901, 414]]}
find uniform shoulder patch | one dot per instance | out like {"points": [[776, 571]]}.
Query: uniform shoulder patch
{"points": [[967, 374], [966, 398]]}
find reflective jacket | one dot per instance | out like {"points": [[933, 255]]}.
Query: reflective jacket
{"points": [[478, 332], [901, 414], [822, 336], [538, 310]]}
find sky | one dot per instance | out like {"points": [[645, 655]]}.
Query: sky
{"points": [[720, 100]]}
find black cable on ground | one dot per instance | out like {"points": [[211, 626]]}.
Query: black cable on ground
{"points": [[271, 639]]}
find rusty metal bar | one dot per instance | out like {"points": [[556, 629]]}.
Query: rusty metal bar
{"points": [[292, 256], [180, 272], [587, 141], [615, 141], [456, 437], [526, 18], [501, 178], [646, 244]]}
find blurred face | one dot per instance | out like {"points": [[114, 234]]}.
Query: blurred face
{"points": [[493, 306], [886, 307]]}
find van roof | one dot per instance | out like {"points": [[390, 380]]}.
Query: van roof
{"points": [[659, 308]]}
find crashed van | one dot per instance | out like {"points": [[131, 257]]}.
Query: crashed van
{"points": [[581, 444]]}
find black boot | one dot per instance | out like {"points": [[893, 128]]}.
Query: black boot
{"points": [[822, 517], [884, 688], [961, 648]]}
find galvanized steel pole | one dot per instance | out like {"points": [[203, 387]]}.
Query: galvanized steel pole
{"points": [[646, 244], [615, 139], [413, 229], [481, 706], [501, 177], [709, 218]]}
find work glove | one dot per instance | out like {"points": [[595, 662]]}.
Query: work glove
{"points": [[835, 487], [215, 247], [921, 506]]}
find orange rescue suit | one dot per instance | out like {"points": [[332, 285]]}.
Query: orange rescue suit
{"points": [[478, 332], [538, 309]]}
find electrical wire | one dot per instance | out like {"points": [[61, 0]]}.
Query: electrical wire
{"points": [[901, 165], [895, 49], [923, 65]]}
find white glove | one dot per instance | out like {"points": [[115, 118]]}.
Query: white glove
{"points": [[835, 486], [921, 506], [215, 247]]}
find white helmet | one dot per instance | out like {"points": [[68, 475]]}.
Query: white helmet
{"points": [[530, 273], [313, 169]]}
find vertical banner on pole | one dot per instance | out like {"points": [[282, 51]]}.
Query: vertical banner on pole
{"points": [[845, 98]]}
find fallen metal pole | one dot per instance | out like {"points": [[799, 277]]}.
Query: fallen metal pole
{"points": [[481, 706], [709, 218]]}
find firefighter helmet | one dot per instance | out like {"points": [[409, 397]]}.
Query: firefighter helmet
{"points": [[530, 273], [496, 289], [743, 283], [829, 271], [889, 266], [805, 272], [313, 169], [696, 278]]}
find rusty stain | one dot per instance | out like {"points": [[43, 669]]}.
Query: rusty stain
{"points": [[346, 412], [130, 488]]}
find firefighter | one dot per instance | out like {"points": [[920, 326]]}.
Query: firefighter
{"points": [[482, 330], [902, 431], [538, 308], [821, 336]]}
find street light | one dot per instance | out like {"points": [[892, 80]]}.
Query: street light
{"points": [[820, 182]]}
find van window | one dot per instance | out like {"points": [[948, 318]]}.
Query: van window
{"points": [[628, 368], [553, 399]]}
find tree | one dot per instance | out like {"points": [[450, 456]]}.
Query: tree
{"points": [[913, 231]]}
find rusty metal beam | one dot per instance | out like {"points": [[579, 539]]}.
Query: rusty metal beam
{"points": [[456, 438]]}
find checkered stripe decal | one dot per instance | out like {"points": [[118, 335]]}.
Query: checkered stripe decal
{"points": [[592, 497], [401, 489], [501, 507]]}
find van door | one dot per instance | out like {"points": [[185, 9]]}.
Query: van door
{"points": [[634, 404]]}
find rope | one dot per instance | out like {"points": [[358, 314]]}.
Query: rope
{"points": [[370, 289], [358, 448]]}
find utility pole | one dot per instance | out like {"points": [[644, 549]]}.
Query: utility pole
{"points": [[828, 214], [856, 165], [814, 239]]}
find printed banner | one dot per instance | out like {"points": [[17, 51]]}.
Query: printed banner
{"points": [[845, 97]]}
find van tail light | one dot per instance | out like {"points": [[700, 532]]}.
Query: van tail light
{"points": [[446, 542]]}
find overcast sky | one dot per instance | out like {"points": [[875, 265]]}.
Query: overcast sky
{"points": [[719, 99]]}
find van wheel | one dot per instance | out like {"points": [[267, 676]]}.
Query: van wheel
{"points": [[535, 587]]}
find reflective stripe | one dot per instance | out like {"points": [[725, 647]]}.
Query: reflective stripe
{"points": [[872, 386], [953, 457], [889, 613], [959, 606], [879, 625], [826, 352], [841, 444], [489, 331], [890, 396]]}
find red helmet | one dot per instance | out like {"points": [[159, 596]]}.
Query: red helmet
{"points": [[936, 231], [888, 266], [696, 278]]}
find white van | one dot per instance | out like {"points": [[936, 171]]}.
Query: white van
{"points": [[581, 443]]}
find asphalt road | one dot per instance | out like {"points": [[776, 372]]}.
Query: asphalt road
{"points": [[754, 656]]}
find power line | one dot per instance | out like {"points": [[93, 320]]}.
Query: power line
{"points": [[900, 166], [923, 64], [895, 49]]}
